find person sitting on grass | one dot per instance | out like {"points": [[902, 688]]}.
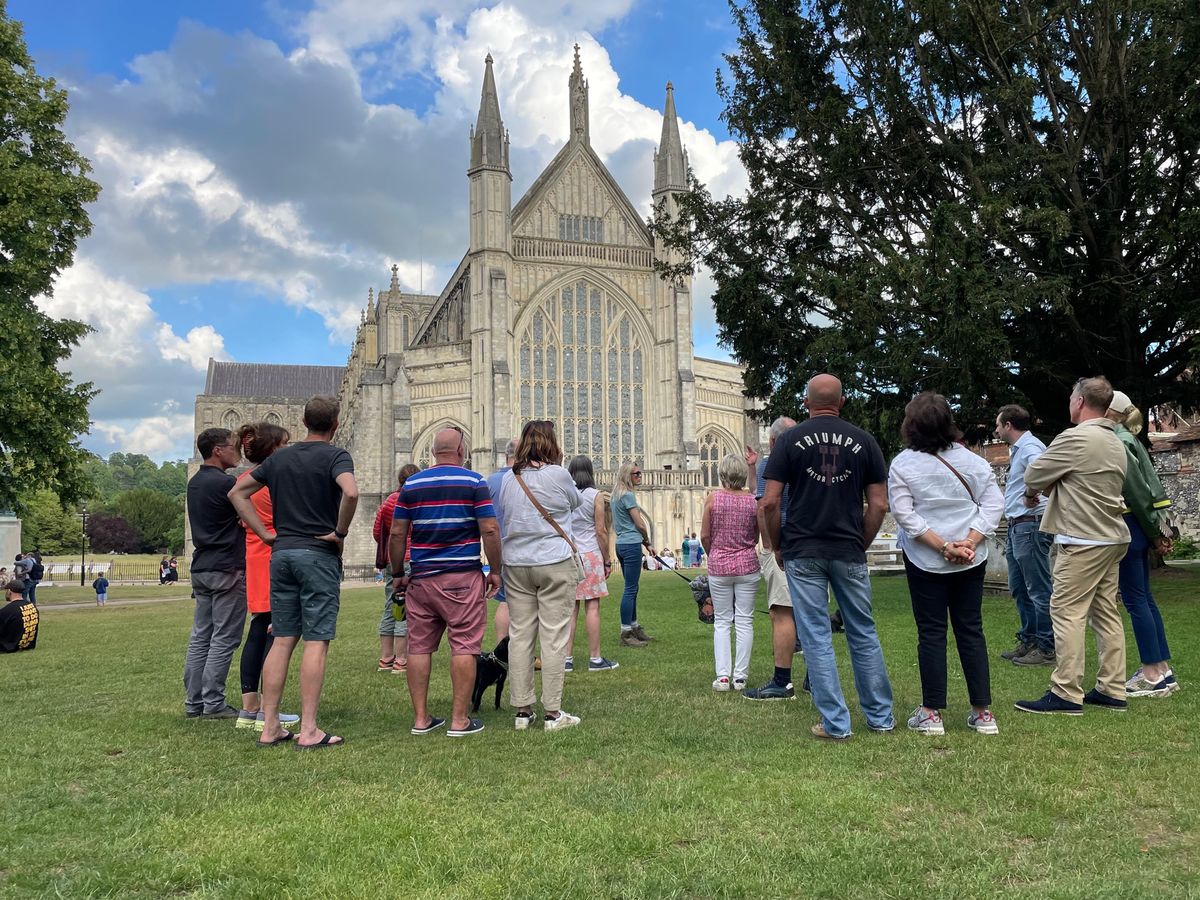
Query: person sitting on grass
{"points": [[18, 620], [100, 586]]}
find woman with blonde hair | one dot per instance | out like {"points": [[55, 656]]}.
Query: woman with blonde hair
{"points": [[540, 572], [632, 533], [729, 534], [589, 526], [1148, 527]]}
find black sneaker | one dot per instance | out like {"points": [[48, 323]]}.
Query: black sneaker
{"points": [[1096, 698], [228, 712], [770, 691], [1050, 704], [474, 726]]}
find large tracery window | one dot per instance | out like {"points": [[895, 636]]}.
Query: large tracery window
{"points": [[583, 366], [713, 448]]}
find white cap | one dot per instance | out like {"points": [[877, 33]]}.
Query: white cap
{"points": [[1121, 403]]}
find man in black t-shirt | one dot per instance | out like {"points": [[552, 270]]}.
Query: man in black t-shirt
{"points": [[829, 466], [313, 498], [218, 578], [18, 620]]}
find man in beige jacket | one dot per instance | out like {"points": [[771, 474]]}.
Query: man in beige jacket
{"points": [[1082, 473]]}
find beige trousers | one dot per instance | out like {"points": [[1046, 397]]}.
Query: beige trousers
{"points": [[1085, 590], [541, 604]]}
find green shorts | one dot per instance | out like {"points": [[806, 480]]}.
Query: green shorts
{"points": [[305, 594]]}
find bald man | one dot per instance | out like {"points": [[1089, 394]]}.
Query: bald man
{"points": [[830, 469], [444, 514]]}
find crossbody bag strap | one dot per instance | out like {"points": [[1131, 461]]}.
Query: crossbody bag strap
{"points": [[958, 475], [541, 509]]}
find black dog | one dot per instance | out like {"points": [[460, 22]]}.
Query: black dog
{"points": [[490, 668]]}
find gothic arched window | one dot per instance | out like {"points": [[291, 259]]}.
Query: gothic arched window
{"points": [[712, 449], [423, 453], [273, 419], [231, 420], [582, 365]]}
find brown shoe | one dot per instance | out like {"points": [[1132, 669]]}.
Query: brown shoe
{"points": [[640, 633], [629, 639], [1035, 657], [819, 732], [1020, 650]]}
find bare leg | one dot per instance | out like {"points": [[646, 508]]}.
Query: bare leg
{"points": [[275, 670], [783, 636], [312, 679], [462, 679], [592, 619], [400, 644], [386, 642], [251, 701], [500, 621], [418, 687]]}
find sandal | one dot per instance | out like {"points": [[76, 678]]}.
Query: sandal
{"points": [[385, 665], [287, 736], [330, 740], [400, 666]]}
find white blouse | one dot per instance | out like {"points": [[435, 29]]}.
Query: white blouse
{"points": [[528, 539], [924, 495]]}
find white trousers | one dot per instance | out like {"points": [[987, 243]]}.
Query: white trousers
{"points": [[733, 604]]}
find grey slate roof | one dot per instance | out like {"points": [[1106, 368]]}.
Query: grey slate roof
{"points": [[232, 379]]}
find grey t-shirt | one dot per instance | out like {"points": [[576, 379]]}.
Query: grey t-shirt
{"points": [[302, 479]]}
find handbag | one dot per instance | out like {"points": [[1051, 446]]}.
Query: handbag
{"points": [[579, 567]]}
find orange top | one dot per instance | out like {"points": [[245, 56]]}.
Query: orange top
{"points": [[258, 555]]}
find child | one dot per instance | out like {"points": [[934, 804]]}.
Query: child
{"points": [[100, 586]]}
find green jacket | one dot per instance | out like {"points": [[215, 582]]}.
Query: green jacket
{"points": [[1143, 492]]}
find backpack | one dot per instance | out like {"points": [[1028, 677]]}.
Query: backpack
{"points": [[37, 571]]}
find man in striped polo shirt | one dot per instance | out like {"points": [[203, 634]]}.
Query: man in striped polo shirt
{"points": [[442, 516]]}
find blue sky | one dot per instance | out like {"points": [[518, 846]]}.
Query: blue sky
{"points": [[263, 164]]}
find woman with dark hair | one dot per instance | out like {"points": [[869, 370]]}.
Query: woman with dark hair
{"points": [[258, 442], [540, 572], [589, 527], [946, 501]]}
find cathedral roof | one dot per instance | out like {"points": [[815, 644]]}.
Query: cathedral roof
{"points": [[233, 379]]}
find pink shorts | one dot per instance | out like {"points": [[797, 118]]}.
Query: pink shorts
{"points": [[595, 582], [450, 602]]}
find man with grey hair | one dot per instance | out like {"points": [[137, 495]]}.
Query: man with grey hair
{"points": [[779, 599], [500, 618]]}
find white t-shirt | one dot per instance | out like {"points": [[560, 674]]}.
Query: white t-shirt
{"points": [[529, 540], [583, 522]]}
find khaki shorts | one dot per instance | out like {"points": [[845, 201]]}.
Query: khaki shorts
{"points": [[777, 586]]}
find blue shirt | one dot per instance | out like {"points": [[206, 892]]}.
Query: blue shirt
{"points": [[1024, 450], [761, 489], [443, 505], [494, 481], [627, 532]]}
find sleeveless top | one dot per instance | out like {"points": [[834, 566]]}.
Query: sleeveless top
{"points": [[734, 534], [583, 522]]}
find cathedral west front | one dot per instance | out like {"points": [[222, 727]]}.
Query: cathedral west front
{"points": [[554, 312]]}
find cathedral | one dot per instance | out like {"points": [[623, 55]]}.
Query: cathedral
{"points": [[554, 312]]}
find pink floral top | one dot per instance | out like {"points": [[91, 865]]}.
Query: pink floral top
{"points": [[734, 534]]}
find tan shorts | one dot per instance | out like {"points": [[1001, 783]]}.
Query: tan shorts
{"points": [[777, 586]]}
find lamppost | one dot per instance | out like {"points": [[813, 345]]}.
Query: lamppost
{"points": [[83, 517]]}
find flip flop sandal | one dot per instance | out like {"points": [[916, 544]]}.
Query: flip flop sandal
{"points": [[275, 743], [386, 664], [329, 741]]}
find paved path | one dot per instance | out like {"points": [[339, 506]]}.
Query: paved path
{"points": [[138, 601]]}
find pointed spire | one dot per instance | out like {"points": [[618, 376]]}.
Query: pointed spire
{"points": [[394, 288], [489, 141], [370, 304], [579, 102], [670, 162]]}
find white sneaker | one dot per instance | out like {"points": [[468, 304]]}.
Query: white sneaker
{"points": [[926, 722], [739, 684], [523, 721], [721, 684], [983, 723], [564, 720]]}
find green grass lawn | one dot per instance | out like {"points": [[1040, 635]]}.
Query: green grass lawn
{"points": [[666, 790]]}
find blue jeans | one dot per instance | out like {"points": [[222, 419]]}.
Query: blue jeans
{"points": [[1028, 556], [1134, 581], [809, 580], [630, 556]]}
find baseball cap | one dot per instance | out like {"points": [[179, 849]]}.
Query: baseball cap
{"points": [[1121, 403]]}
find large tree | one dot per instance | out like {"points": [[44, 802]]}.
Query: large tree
{"points": [[989, 199], [43, 191]]}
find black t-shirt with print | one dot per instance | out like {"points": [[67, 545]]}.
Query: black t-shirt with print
{"points": [[305, 496], [826, 463], [18, 626]]}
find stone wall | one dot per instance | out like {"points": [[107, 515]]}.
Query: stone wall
{"points": [[1179, 469]]}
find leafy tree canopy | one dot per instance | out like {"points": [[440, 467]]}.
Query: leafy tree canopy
{"points": [[989, 200], [43, 191], [154, 515]]}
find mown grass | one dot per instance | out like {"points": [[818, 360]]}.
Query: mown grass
{"points": [[667, 790]]}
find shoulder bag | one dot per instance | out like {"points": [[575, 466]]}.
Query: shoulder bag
{"points": [[579, 568]]}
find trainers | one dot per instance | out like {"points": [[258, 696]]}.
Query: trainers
{"points": [[1050, 704], [721, 684], [474, 726], [569, 665], [435, 723], [523, 720], [1096, 698], [770, 691], [255, 720], [1169, 678], [629, 639], [818, 731], [602, 665], [385, 665], [1020, 650], [246, 719], [400, 666], [564, 720], [926, 722], [1133, 679], [227, 712], [883, 729], [1144, 687], [640, 633], [983, 723], [1035, 657], [739, 684]]}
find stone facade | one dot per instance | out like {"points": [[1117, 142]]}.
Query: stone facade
{"points": [[555, 312]]}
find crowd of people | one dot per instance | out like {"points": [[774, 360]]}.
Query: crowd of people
{"points": [[1083, 515]]}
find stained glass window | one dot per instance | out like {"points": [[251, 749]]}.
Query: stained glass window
{"points": [[582, 364]]}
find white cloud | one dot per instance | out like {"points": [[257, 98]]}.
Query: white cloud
{"points": [[158, 436], [201, 344]]}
